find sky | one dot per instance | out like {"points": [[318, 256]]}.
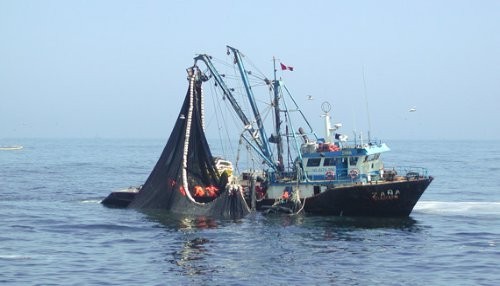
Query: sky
{"points": [[116, 69]]}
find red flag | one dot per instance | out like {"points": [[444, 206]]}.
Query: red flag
{"points": [[283, 67]]}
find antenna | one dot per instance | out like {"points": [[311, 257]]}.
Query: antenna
{"points": [[366, 102]]}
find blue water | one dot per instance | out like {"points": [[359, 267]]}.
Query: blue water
{"points": [[53, 231]]}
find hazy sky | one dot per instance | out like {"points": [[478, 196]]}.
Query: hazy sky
{"points": [[117, 68]]}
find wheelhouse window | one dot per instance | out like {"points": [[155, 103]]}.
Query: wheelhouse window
{"points": [[313, 162], [330, 162], [353, 161], [372, 157]]}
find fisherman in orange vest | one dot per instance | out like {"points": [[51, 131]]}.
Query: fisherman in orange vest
{"points": [[198, 191], [211, 191]]}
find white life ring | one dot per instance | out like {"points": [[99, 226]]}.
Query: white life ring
{"points": [[354, 173], [330, 175]]}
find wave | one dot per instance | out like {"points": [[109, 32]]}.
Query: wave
{"points": [[14, 257], [472, 208], [91, 201]]}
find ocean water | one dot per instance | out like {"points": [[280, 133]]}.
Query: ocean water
{"points": [[54, 231]]}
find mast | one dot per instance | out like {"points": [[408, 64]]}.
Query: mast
{"points": [[277, 119], [266, 148]]}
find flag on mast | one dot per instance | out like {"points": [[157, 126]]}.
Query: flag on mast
{"points": [[284, 67]]}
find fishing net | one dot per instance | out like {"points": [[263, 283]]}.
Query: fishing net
{"points": [[185, 179]]}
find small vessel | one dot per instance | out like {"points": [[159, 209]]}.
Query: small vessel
{"points": [[11, 148], [121, 198], [294, 169]]}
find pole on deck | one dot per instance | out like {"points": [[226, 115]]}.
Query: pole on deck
{"points": [[252, 192]]}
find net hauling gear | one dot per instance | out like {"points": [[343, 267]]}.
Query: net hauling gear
{"points": [[186, 165]]}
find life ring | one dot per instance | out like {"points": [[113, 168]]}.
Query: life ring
{"points": [[354, 173], [330, 175], [333, 148]]}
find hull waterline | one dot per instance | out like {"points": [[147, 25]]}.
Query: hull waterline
{"points": [[388, 199]]}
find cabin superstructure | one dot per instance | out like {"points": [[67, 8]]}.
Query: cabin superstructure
{"points": [[344, 164], [326, 163]]}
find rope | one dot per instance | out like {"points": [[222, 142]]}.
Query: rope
{"points": [[238, 153], [186, 141], [239, 188], [298, 195], [202, 110], [223, 124]]}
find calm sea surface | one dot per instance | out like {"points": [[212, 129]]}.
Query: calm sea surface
{"points": [[54, 231]]}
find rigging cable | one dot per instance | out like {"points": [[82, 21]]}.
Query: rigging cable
{"points": [[222, 125]]}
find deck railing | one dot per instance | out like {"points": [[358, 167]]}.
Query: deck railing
{"points": [[344, 175]]}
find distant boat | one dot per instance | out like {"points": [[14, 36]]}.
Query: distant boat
{"points": [[10, 148]]}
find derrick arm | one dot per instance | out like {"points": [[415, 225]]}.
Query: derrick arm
{"points": [[266, 148]]}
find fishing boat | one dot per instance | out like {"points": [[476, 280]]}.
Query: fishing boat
{"points": [[294, 169]]}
